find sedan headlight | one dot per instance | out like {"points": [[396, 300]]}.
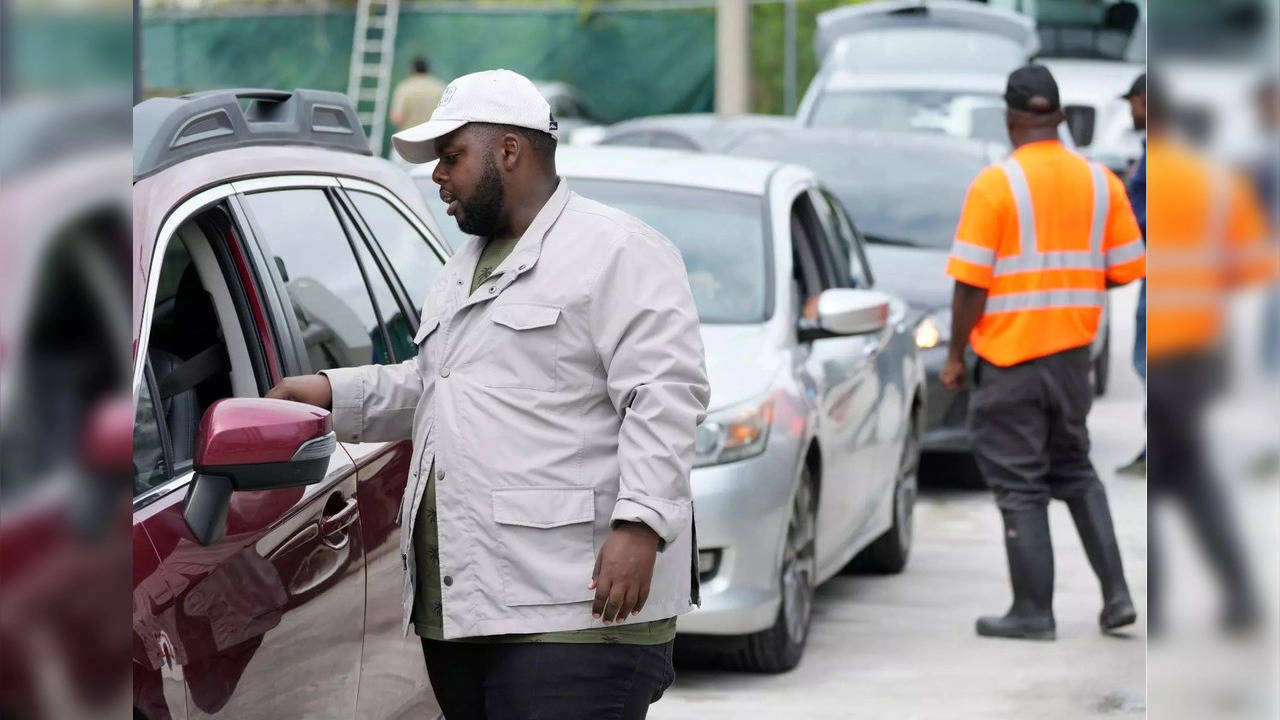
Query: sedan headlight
{"points": [[934, 329], [733, 434]]}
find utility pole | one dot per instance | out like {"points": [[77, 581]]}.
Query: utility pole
{"points": [[733, 56]]}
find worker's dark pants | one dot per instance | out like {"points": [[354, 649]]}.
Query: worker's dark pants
{"points": [[555, 681], [1179, 391], [1027, 427]]}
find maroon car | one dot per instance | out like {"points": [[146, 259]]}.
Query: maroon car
{"points": [[268, 242]]}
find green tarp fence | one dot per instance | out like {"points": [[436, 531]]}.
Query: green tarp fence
{"points": [[625, 63]]}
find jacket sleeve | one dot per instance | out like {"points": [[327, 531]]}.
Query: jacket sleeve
{"points": [[375, 403], [645, 329]]}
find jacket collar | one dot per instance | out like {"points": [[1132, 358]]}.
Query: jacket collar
{"points": [[528, 248]]}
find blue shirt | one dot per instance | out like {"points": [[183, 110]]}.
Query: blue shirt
{"points": [[1136, 189]]}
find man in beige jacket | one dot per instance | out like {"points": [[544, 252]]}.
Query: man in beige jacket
{"points": [[547, 527]]}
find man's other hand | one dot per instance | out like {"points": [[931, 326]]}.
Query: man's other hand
{"points": [[309, 389], [624, 570], [952, 374]]}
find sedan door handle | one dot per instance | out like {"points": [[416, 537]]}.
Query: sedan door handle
{"points": [[341, 520]]}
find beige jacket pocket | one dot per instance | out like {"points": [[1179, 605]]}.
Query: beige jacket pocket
{"points": [[548, 550]]}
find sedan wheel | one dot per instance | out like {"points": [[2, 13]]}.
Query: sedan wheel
{"points": [[889, 553]]}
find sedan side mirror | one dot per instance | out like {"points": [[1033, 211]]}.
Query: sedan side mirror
{"points": [[253, 444], [846, 311]]}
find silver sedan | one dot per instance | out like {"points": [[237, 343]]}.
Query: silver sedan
{"points": [[807, 461]]}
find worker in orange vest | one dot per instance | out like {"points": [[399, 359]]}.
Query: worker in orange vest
{"points": [[1041, 237], [1207, 237]]}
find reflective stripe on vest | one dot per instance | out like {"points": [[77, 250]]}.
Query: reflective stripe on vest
{"points": [[1030, 258]]}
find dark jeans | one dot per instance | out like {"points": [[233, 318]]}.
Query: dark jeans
{"points": [[547, 681], [1028, 430]]}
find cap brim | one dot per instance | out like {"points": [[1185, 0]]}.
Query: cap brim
{"points": [[417, 144]]}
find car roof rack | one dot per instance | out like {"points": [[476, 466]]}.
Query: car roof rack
{"points": [[167, 131]]}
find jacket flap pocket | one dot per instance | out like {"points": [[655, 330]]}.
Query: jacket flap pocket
{"points": [[425, 329], [520, 316], [543, 507]]}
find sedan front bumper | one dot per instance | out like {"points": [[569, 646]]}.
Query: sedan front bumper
{"points": [[742, 509]]}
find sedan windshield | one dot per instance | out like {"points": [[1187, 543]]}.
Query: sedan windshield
{"points": [[720, 234], [959, 114], [896, 193]]}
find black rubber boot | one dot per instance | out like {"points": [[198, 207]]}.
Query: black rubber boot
{"points": [[1093, 521], [1030, 551]]}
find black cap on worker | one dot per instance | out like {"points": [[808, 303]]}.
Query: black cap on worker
{"points": [[1138, 89], [1032, 89]]}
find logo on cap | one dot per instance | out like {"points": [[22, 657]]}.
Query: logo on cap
{"points": [[553, 124], [447, 96]]}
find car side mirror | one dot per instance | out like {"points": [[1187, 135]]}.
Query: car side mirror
{"points": [[253, 444], [847, 311]]}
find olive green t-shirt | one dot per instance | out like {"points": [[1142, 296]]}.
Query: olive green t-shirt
{"points": [[428, 606]]}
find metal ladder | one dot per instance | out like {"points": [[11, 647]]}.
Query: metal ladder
{"points": [[372, 53]]}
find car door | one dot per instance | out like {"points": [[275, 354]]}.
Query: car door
{"points": [[891, 408], [266, 622], [843, 370], [393, 680]]}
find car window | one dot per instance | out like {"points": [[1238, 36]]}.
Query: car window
{"points": [[807, 281], [397, 324], [149, 466], [850, 241], [979, 116], [720, 235], [806, 211], [414, 262], [839, 245], [927, 50], [314, 259]]}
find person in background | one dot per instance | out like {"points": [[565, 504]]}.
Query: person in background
{"points": [[1041, 237], [416, 96], [1136, 188], [1206, 233]]}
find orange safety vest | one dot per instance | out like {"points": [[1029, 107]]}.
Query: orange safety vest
{"points": [[1043, 232], [1207, 235]]}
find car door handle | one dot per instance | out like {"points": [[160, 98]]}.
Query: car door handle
{"points": [[341, 520]]}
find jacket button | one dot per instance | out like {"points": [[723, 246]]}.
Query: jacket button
{"points": [[522, 267], [444, 372], [448, 580], [492, 290], [439, 475]]}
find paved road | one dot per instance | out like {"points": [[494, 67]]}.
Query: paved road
{"points": [[903, 647]]}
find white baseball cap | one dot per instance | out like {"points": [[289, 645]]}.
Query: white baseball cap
{"points": [[499, 96]]}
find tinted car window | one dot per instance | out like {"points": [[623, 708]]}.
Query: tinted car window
{"points": [[415, 263], [720, 234], [149, 468], [839, 245], [314, 259], [897, 192], [859, 272]]}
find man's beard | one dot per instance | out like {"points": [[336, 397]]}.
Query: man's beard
{"points": [[482, 212]]}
